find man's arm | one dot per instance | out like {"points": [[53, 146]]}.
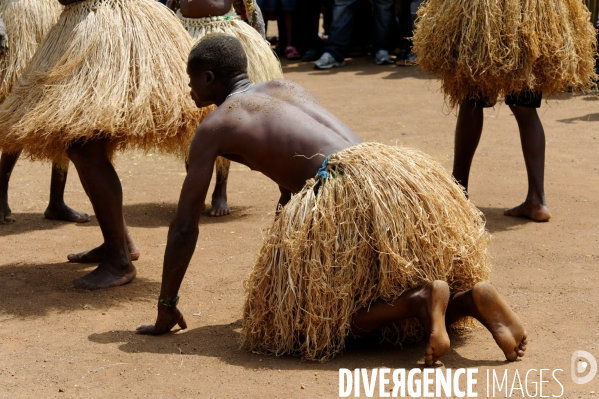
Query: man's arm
{"points": [[183, 233]]}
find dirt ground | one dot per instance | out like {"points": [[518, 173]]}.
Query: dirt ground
{"points": [[56, 341]]}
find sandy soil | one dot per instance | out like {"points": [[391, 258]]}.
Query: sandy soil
{"points": [[56, 341]]}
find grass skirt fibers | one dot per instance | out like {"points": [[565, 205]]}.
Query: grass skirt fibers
{"points": [[386, 220], [27, 23], [263, 65], [103, 71], [492, 48]]}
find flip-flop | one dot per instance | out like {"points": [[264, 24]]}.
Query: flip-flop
{"points": [[291, 53]]}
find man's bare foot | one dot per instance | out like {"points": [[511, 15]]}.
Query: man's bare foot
{"points": [[495, 314], [5, 213], [106, 275], [63, 212], [219, 207], [435, 298], [97, 254], [536, 212]]}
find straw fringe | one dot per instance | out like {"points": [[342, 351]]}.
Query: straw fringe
{"points": [[491, 48], [103, 71], [263, 65], [27, 23], [387, 220]]}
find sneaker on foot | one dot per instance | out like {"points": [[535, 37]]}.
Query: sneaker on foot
{"points": [[382, 57], [327, 61], [409, 61]]}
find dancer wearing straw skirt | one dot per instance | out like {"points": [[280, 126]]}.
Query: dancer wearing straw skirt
{"points": [[367, 236], [110, 75], [28, 21], [203, 17], [518, 50]]}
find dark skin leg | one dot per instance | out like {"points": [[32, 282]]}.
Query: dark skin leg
{"points": [[469, 128], [427, 304], [57, 209], [485, 304], [7, 164], [105, 193], [532, 138], [219, 195], [95, 255]]}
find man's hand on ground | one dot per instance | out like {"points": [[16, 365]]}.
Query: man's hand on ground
{"points": [[166, 320]]}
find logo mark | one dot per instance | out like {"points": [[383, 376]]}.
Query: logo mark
{"points": [[578, 366]]}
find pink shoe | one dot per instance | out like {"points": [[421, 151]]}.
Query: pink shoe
{"points": [[291, 53]]}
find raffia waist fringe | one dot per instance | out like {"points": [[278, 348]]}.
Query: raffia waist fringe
{"points": [[27, 23], [108, 69], [495, 48], [263, 64], [375, 222]]}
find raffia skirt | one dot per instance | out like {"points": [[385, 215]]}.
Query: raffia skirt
{"points": [[490, 48], [375, 222], [263, 65], [27, 23], [108, 69]]}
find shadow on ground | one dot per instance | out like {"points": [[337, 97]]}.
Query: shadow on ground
{"points": [[585, 118], [222, 342], [137, 215], [497, 221], [33, 290], [363, 66]]}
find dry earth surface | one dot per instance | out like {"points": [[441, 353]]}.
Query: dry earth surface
{"points": [[56, 341]]}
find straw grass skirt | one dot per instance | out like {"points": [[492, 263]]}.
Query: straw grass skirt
{"points": [[491, 48], [27, 23], [108, 69], [385, 220], [263, 65]]}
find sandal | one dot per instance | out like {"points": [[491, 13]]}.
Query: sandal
{"points": [[291, 53]]}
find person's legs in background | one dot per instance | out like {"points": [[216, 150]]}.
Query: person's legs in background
{"points": [[383, 20], [310, 44], [339, 36]]}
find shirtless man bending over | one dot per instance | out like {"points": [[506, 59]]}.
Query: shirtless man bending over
{"points": [[265, 126]]}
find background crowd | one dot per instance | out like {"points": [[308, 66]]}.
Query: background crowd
{"points": [[350, 28]]}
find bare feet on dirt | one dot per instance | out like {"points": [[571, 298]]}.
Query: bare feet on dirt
{"points": [[219, 207], [106, 275], [63, 212], [97, 254], [495, 314], [435, 298], [536, 212], [5, 212]]}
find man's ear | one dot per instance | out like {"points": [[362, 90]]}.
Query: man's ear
{"points": [[210, 77]]}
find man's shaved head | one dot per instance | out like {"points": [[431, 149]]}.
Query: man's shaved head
{"points": [[219, 53]]}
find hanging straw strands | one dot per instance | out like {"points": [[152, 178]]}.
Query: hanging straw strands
{"points": [[263, 65], [490, 48], [386, 220], [27, 23], [102, 71]]}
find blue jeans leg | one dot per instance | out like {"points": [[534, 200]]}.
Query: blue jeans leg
{"points": [[383, 19], [341, 28]]}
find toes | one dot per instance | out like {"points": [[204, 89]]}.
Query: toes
{"points": [[82, 218], [511, 356]]}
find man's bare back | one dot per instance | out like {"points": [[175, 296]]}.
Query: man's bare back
{"points": [[276, 128]]}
